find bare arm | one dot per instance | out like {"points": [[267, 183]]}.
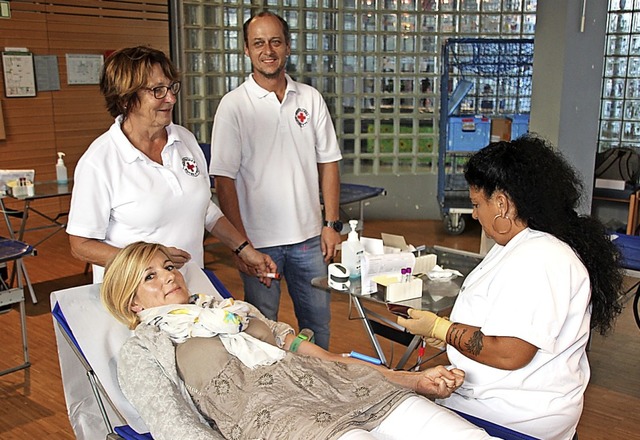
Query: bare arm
{"points": [[229, 204], [253, 261], [329, 174], [435, 382], [99, 253], [506, 353], [91, 250]]}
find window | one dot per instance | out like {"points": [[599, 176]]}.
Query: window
{"points": [[376, 62], [620, 104]]}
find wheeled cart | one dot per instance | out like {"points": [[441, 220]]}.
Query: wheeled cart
{"points": [[485, 96]]}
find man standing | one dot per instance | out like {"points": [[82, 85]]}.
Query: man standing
{"points": [[272, 142]]}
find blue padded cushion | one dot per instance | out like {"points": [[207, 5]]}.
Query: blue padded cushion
{"points": [[495, 430], [217, 284], [128, 433], [629, 246]]}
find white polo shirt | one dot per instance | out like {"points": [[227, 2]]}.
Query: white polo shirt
{"points": [[272, 150], [121, 196], [535, 288]]}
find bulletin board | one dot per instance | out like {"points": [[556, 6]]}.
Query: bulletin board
{"points": [[19, 76]]}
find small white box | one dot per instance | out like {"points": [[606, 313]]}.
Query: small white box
{"points": [[27, 190], [401, 291], [610, 184], [425, 263]]}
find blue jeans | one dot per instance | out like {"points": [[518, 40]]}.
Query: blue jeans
{"points": [[298, 263]]}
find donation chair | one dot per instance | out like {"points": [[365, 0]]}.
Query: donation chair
{"points": [[14, 250], [85, 328], [89, 341]]}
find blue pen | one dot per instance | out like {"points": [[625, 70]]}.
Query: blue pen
{"points": [[364, 357]]}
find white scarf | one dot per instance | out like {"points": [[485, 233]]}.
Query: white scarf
{"points": [[207, 317]]}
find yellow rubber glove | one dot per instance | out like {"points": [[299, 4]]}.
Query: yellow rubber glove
{"points": [[435, 343], [426, 324]]}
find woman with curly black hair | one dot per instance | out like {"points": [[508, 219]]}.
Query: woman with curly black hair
{"points": [[522, 321]]}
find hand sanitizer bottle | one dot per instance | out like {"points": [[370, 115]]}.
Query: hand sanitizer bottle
{"points": [[352, 251], [61, 170]]}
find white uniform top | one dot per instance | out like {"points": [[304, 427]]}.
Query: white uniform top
{"points": [[272, 150], [121, 196], [535, 288]]}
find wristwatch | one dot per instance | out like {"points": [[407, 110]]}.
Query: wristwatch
{"points": [[336, 225]]}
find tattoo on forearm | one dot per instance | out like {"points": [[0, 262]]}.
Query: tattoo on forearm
{"points": [[474, 344], [455, 336]]}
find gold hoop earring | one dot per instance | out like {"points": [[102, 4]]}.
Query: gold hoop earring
{"points": [[499, 216]]}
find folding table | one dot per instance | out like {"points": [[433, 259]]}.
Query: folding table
{"points": [[437, 297], [13, 250], [42, 190]]}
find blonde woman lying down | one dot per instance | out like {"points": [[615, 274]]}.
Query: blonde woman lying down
{"points": [[200, 368]]}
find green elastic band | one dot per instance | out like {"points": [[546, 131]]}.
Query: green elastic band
{"points": [[296, 343]]}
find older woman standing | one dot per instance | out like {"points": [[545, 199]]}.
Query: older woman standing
{"points": [[146, 178], [520, 326]]}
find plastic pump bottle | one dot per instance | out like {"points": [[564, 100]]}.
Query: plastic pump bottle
{"points": [[352, 251], [61, 170]]}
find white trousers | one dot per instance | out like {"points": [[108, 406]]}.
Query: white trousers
{"points": [[419, 416]]}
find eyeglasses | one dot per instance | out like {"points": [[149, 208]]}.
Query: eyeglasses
{"points": [[160, 92]]}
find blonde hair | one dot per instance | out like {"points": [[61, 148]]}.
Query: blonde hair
{"points": [[123, 275]]}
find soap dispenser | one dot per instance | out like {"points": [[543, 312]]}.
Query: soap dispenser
{"points": [[352, 251], [61, 170]]}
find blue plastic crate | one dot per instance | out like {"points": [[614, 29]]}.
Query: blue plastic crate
{"points": [[468, 133], [519, 125]]}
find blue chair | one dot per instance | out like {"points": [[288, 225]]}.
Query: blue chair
{"points": [[629, 246]]}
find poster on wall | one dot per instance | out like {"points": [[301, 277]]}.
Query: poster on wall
{"points": [[47, 76], [19, 77], [84, 69]]}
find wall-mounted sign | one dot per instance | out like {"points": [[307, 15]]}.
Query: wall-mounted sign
{"points": [[5, 9], [19, 77], [84, 69]]}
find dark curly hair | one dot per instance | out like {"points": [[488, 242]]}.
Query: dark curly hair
{"points": [[126, 71], [546, 191]]}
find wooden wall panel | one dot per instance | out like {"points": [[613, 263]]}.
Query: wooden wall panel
{"points": [[68, 119]]}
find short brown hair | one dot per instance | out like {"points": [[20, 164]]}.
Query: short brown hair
{"points": [[126, 71], [285, 26]]}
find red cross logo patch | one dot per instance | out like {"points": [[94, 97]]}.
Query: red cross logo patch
{"points": [[302, 117], [190, 167]]}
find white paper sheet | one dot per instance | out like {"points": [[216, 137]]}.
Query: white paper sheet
{"points": [[386, 264]]}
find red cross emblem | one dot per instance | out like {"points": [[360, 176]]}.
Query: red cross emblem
{"points": [[190, 167], [302, 117]]}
